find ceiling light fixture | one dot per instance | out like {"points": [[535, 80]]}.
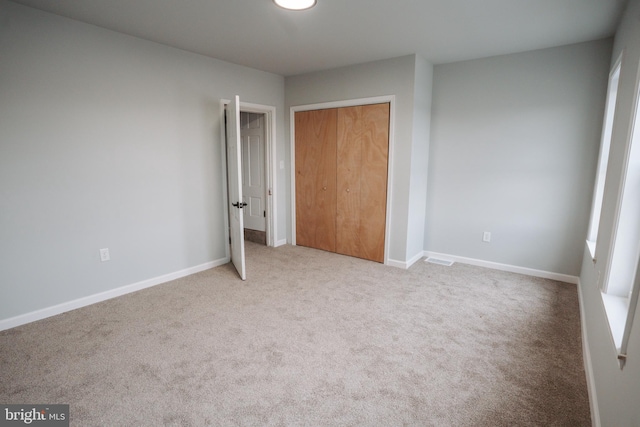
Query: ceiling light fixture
{"points": [[295, 4]]}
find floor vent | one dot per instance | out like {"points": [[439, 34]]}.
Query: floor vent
{"points": [[439, 261]]}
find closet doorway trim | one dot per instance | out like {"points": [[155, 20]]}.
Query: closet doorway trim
{"points": [[391, 99]]}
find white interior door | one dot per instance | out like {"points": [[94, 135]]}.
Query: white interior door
{"points": [[234, 179], [253, 182]]}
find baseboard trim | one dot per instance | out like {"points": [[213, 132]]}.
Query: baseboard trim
{"points": [[415, 259], [588, 366], [33, 316], [506, 267], [395, 263], [405, 264]]}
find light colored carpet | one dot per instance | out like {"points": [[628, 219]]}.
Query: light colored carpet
{"points": [[312, 339]]}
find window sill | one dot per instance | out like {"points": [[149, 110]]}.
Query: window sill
{"points": [[617, 309], [592, 249]]}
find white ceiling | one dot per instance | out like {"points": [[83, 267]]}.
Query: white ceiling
{"points": [[258, 34]]}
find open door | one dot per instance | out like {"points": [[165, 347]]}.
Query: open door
{"points": [[234, 173]]}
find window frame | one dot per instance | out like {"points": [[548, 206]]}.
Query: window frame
{"points": [[620, 302], [603, 156]]}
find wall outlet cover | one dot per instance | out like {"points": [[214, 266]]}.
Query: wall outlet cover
{"points": [[104, 255]]}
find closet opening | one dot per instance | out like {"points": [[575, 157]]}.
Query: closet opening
{"points": [[341, 176]]}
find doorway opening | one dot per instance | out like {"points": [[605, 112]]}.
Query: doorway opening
{"points": [[253, 165], [256, 161]]}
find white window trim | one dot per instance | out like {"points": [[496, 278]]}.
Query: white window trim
{"points": [[620, 310], [603, 156]]}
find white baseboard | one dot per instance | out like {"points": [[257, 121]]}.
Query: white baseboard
{"points": [[415, 259], [506, 267], [405, 264], [395, 263], [23, 319], [279, 243], [588, 366]]}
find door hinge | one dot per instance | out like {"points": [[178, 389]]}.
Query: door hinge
{"points": [[264, 214]]}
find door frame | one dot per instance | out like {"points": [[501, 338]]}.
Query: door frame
{"points": [[270, 167], [391, 99]]}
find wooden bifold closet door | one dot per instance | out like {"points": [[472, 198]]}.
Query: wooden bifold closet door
{"points": [[341, 179], [316, 179]]}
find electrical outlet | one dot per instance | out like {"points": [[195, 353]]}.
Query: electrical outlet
{"points": [[104, 255], [486, 236]]}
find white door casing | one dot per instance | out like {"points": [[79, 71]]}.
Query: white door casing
{"points": [[235, 204], [252, 132]]}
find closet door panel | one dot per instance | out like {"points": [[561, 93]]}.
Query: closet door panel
{"points": [[348, 181], [363, 148], [315, 160], [373, 180]]}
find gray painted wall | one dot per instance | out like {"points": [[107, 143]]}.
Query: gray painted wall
{"points": [[397, 77], [514, 144], [109, 141], [615, 391]]}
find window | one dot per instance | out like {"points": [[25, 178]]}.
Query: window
{"points": [[622, 277], [603, 160]]}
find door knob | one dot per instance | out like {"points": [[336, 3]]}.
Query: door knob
{"points": [[239, 205]]}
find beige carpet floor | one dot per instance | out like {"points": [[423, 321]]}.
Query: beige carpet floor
{"points": [[312, 339]]}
